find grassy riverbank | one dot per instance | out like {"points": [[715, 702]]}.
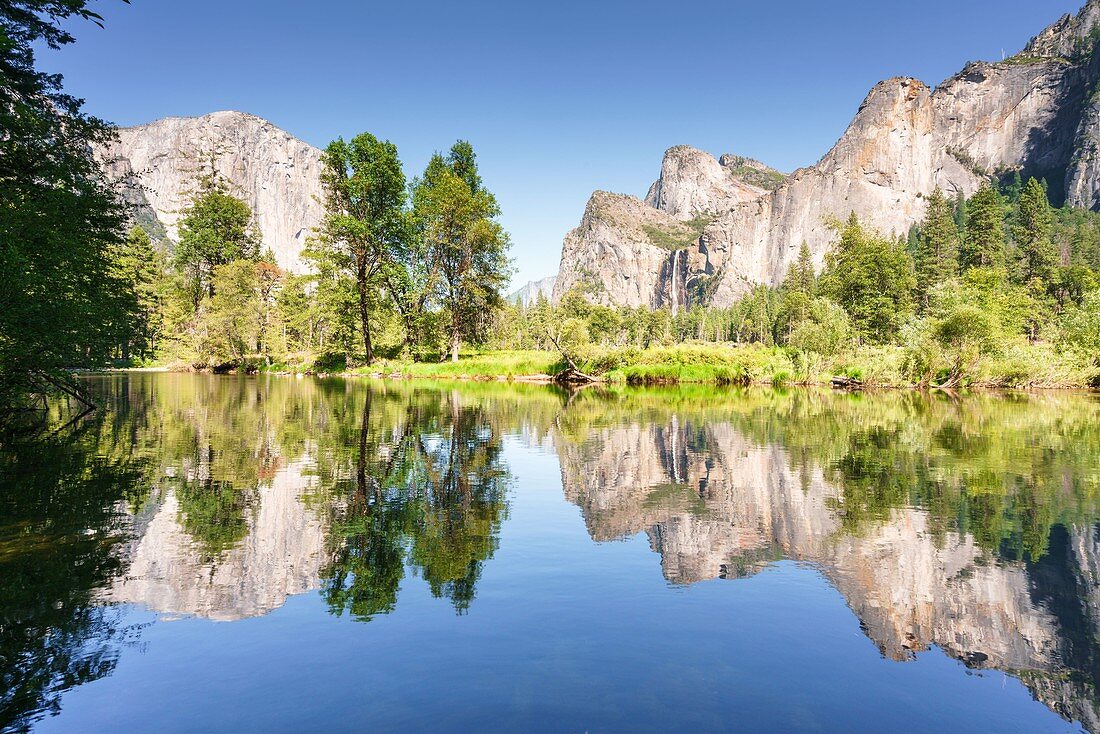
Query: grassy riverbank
{"points": [[1021, 366]]}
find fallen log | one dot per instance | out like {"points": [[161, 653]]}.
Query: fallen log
{"points": [[571, 375], [846, 383]]}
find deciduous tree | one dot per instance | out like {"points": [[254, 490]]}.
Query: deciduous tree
{"points": [[365, 230], [457, 217]]}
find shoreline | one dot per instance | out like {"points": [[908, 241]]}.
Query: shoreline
{"points": [[549, 380]]}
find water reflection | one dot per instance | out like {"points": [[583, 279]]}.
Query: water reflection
{"points": [[60, 535], [424, 489], [967, 524]]}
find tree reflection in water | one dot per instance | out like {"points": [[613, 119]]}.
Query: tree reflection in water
{"points": [[428, 492], [969, 524], [61, 532]]}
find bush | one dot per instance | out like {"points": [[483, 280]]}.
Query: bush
{"points": [[330, 362]]}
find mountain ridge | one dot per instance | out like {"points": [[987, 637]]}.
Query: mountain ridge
{"points": [[1035, 113]]}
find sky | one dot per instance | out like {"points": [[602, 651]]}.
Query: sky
{"points": [[559, 99]]}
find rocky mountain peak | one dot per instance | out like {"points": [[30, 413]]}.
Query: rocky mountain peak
{"points": [[1071, 37], [694, 183], [1034, 113]]}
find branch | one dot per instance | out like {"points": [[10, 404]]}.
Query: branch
{"points": [[573, 374]]}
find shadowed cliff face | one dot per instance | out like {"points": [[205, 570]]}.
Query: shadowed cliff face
{"points": [[1035, 113], [931, 526]]}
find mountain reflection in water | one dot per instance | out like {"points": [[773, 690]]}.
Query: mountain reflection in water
{"points": [[968, 524]]}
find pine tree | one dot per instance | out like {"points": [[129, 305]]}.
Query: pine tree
{"points": [[960, 214], [1037, 257], [936, 257], [1014, 189], [984, 244], [872, 278], [137, 264], [800, 276]]}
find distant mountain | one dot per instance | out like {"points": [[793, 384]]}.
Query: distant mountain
{"points": [[154, 168], [529, 293], [710, 229]]}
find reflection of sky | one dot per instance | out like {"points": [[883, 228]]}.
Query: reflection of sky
{"points": [[565, 635]]}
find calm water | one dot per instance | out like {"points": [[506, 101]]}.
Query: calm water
{"points": [[268, 555]]}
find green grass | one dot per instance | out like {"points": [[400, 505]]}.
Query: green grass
{"points": [[485, 365], [768, 179], [1019, 366], [693, 363]]}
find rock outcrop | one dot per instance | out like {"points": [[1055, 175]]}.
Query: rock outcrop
{"points": [[155, 167], [626, 252], [693, 184], [1035, 113], [529, 293]]}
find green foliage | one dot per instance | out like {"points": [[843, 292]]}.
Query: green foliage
{"points": [[823, 333], [365, 234], [801, 278], [984, 243], [682, 236], [936, 257], [137, 264], [765, 178], [1036, 256], [215, 229], [946, 345], [232, 317], [457, 220], [872, 278], [1081, 328], [62, 304]]}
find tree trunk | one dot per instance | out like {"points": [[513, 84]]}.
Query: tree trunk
{"points": [[361, 464], [456, 332], [364, 311]]}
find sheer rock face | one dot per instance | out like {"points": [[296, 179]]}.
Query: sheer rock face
{"points": [[281, 556], [279, 176], [617, 252], [1034, 113], [694, 183]]}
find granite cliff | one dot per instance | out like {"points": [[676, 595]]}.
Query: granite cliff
{"points": [[1034, 113], [154, 167]]}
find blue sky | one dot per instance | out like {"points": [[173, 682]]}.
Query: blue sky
{"points": [[559, 99]]}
